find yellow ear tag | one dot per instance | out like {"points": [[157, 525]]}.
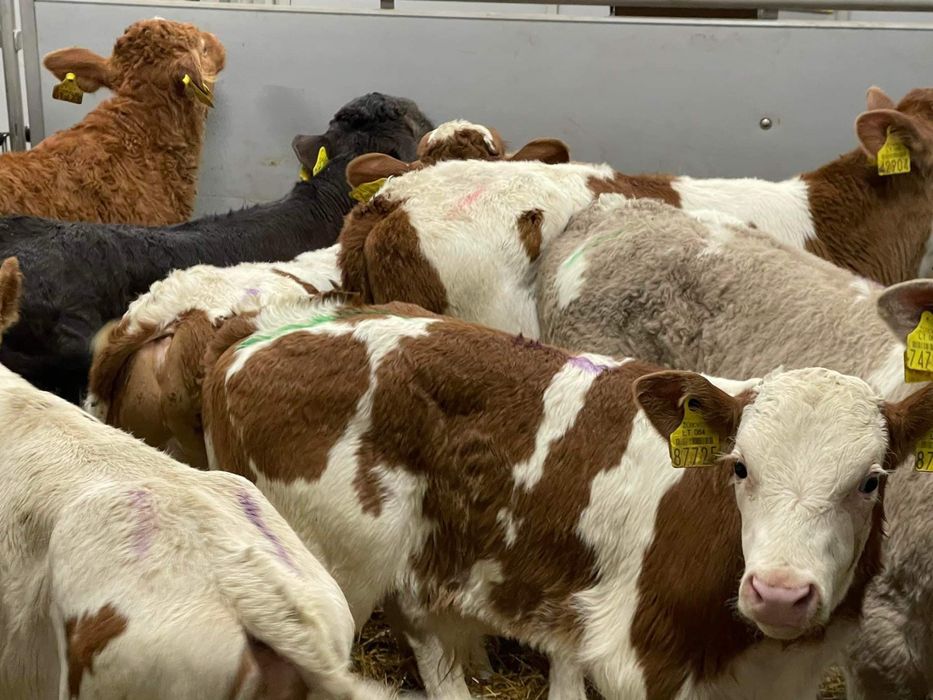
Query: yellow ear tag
{"points": [[321, 161], [202, 95], [893, 156], [694, 443], [68, 90], [918, 357], [924, 452], [303, 174], [366, 191]]}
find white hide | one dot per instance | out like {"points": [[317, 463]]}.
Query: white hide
{"points": [[466, 214], [223, 291], [194, 561], [780, 209]]}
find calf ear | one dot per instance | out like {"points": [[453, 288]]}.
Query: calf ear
{"points": [[872, 130], [306, 149], [900, 305], [662, 395], [373, 166], [549, 151], [498, 143], [11, 287], [907, 422], [878, 99], [191, 79], [91, 70]]}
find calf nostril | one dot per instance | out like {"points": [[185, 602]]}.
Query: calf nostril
{"points": [[806, 597], [782, 595]]}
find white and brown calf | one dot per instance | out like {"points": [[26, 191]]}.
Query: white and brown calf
{"points": [[645, 279], [494, 484], [463, 237], [128, 575], [146, 372]]}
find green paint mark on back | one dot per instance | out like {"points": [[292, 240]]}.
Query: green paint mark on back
{"points": [[589, 244], [312, 322], [284, 330]]}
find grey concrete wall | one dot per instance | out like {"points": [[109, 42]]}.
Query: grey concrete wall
{"points": [[655, 95]]}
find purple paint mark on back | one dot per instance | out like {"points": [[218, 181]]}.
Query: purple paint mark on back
{"points": [[253, 292], [587, 365], [251, 508], [146, 527]]}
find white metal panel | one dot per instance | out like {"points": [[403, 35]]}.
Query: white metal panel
{"points": [[644, 95]]}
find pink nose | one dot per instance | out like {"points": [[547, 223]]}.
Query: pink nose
{"points": [[778, 604]]}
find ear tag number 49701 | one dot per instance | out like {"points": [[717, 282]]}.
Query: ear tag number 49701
{"points": [[694, 443], [918, 357]]}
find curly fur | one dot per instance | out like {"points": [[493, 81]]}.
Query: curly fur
{"points": [[134, 159]]}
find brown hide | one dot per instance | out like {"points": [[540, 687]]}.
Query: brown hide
{"points": [[134, 158]]}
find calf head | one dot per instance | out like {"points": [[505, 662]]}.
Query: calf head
{"points": [[148, 383], [809, 450], [371, 123], [911, 121], [455, 140], [152, 53]]}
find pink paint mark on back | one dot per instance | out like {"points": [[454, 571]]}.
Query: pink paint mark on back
{"points": [[465, 202], [147, 523]]}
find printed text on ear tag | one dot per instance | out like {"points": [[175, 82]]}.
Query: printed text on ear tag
{"points": [[893, 156], [68, 90], [693, 443], [321, 161], [924, 452], [203, 96], [918, 357], [366, 191]]}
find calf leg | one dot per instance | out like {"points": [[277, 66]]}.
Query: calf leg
{"points": [[439, 643], [565, 681]]}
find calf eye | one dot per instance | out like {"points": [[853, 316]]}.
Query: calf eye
{"points": [[740, 470], [869, 484]]}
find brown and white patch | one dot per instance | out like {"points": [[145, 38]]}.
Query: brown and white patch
{"points": [[529, 232], [381, 258], [85, 638], [638, 187]]}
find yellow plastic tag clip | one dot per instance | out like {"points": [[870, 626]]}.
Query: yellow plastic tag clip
{"points": [[693, 443], [893, 156], [918, 356], [321, 161], [68, 90], [366, 191], [202, 95], [924, 461]]}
